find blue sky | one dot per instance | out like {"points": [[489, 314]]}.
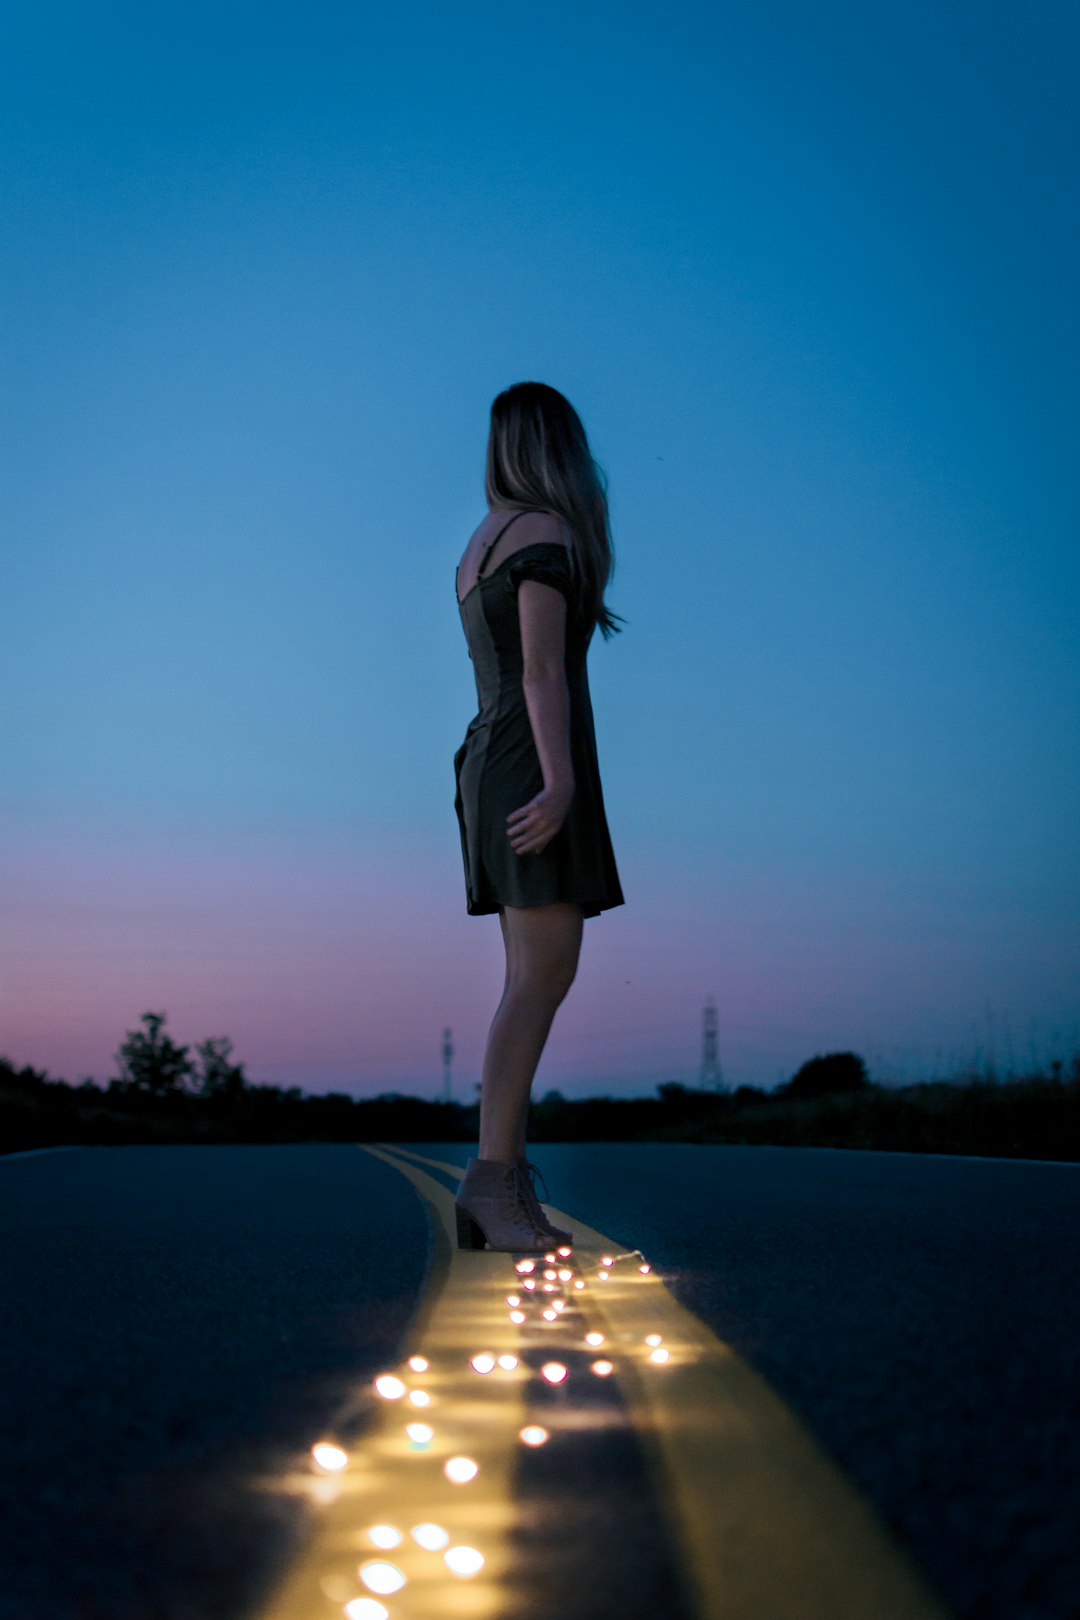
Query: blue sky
{"points": [[807, 273]]}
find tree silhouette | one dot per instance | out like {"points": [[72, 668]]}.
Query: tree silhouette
{"points": [[150, 1061], [823, 1076], [216, 1076]]}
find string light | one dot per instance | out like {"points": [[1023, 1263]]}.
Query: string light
{"points": [[384, 1536], [460, 1470], [329, 1456], [463, 1560], [432, 1537], [384, 1578], [366, 1609], [381, 1578]]}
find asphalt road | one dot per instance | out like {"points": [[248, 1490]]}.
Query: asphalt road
{"points": [[180, 1321]]}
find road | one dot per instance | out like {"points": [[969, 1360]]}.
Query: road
{"points": [[181, 1322]]}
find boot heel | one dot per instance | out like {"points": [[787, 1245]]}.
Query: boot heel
{"points": [[469, 1235]]}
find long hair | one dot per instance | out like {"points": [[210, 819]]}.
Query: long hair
{"points": [[538, 457]]}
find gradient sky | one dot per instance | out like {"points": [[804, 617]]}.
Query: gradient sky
{"points": [[809, 275]]}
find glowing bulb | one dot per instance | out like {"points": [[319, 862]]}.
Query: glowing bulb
{"points": [[549, 1257], [594, 1338], [460, 1470], [483, 1363], [654, 1338], [578, 1283], [549, 1288], [659, 1355], [565, 1252], [549, 1315], [508, 1363], [525, 1266], [384, 1536], [380, 1577], [603, 1276], [389, 1387], [419, 1433], [432, 1537], [602, 1368], [551, 1273], [530, 1285], [329, 1457], [644, 1269], [419, 1397], [418, 1363], [533, 1434], [565, 1274], [463, 1560], [553, 1371], [607, 1260], [513, 1299], [366, 1609], [517, 1316], [558, 1304]]}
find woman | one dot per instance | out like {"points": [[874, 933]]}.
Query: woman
{"points": [[530, 808]]}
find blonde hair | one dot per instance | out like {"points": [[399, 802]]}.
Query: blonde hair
{"points": [[538, 457]]}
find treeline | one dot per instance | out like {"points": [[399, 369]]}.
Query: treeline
{"points": [[162, 1094]]}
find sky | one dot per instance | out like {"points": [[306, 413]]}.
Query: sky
{"points": [[808, 275]]}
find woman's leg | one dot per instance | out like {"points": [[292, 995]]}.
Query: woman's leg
{"points": [[543, 944]]}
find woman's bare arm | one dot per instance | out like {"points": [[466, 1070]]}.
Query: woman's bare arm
{"points": [[542, 615]]}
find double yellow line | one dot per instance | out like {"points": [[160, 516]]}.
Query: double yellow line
{"points": [[766, 1525]]}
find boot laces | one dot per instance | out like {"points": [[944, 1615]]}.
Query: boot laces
{"points": [[535, 1170]]}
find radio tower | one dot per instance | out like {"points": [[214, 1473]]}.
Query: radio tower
{"points": [[711, 1077], [447, 1054]]}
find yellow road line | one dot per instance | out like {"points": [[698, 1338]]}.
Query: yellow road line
{"points": [[770, 1528], [389, 1481]]}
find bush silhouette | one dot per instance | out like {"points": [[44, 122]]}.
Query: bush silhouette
{"points": [[824, 1076]]}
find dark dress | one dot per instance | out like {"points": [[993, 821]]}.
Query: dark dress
{"points": [[497, 768]]}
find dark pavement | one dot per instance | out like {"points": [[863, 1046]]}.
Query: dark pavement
{"points": [[179, 1318]]}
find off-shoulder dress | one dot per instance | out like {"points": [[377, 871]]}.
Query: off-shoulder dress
{"points": [[497, 769]]}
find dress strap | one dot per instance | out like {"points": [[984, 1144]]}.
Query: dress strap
{"points": [[488, 548]]}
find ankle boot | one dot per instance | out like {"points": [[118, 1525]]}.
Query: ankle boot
{"points": [[493, 1206], [556, 1232]]}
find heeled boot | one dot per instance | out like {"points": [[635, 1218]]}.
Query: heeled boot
{"points": [[493, 1206], [527, 1169]]}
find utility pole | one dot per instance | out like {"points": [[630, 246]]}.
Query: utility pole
{"points": [[447, 1054], [711, 1077]]}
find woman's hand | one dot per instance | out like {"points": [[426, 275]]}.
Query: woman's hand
{"points": [[534, 825]]}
